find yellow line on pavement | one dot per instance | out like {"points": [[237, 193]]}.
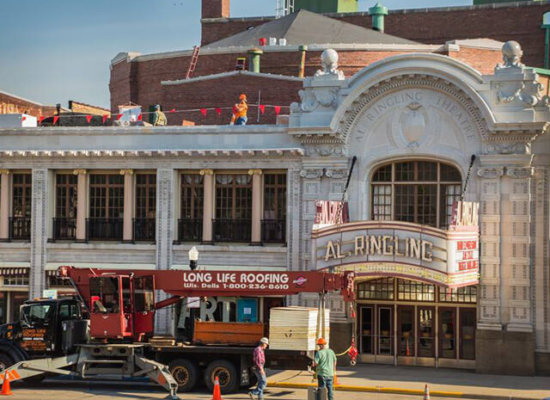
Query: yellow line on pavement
{"points": [[352, 388]]}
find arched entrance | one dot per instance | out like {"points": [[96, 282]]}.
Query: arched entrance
{"points": [[407, 322]]}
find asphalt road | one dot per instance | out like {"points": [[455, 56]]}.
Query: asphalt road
{"points": [[67, 390]]}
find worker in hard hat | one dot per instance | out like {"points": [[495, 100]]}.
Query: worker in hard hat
{"points": [[325, 364], [258, 359], [159, 118], [239, 111]]}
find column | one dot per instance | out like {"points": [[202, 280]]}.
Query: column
{"points": [[165, 235], [39, 215], [127, 235], [256, 206], [4, 203], [208, 205], [81, 205]]}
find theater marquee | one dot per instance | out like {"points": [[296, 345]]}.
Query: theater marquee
{"points": [[391, 248]]}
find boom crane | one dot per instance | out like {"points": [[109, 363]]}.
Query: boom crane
{"points": [[122, 306]]}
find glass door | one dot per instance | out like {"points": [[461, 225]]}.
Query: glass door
{"points": [[366, 332], [447, 332], [405, 331], [467, 333], [385, 331], [426, 345]]}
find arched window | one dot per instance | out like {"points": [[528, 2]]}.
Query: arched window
{"points": [[415, 191]]}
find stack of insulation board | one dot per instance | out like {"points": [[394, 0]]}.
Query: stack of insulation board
{"points": [[295, 328]]}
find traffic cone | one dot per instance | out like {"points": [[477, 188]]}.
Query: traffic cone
{"points": [[217, 395], [6, 389], [426, 392]]}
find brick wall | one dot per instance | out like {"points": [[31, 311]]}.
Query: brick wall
{"points": [[436, 26], [224, 92], [215, 8], [14, 105]]}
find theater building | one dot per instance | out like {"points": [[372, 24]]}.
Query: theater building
{"points": [[426, 130]]}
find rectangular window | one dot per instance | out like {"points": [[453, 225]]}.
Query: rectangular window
{"points": [[376, 289], [467, 294], [66, 195], [449, 194], [192, 196], [22, 195], [381, 200], [274, 219], [415, 291], [106, 196], [146, 195], [234, 197]]}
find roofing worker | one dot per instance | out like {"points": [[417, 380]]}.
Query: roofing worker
{"points": [[239, 111], [325, 363], [159, 118], [258, 359]]}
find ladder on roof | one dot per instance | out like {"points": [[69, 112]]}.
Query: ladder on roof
{"points": [[193, 63]]}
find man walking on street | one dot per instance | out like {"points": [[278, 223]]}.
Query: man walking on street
{"points": [[258, 359], [325, 363]]}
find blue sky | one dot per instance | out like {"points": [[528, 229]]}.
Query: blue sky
{"points": [[53, 51]]}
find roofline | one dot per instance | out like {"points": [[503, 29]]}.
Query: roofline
{"points": [[232, 73], [287, 49], [24, 99], [397, 11]]}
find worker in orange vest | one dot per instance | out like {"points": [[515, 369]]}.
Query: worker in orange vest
{"points": [[239, 111]]}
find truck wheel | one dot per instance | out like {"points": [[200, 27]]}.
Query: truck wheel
{"points": [[185, 373], [5, 361], [226, 373]]}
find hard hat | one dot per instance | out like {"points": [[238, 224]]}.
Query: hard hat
{"points": [[321, 341], [264, 340], [242, 96]]}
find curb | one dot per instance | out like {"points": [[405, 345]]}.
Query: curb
{"points": [[389, 390]]}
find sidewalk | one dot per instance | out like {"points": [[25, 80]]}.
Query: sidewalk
{"points": [[411, 380]]}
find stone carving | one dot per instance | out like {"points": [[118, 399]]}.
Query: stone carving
{"points": [[336, 173], [311, 173], [490, 172], [325, 151], [520, 172], [329, 63], [413, 124], [508, 148], [517, 83], [321, 89]]}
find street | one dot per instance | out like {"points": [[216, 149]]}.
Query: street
{"points": [[64, 390]]}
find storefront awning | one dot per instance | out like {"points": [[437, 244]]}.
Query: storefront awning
{"points": [[55, 266]]}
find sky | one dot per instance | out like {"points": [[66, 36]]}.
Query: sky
{"points": [[53, 51]]}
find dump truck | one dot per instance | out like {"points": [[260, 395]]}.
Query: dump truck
{"points": [[107, 329]]}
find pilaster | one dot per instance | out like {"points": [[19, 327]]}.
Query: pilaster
{"points": [[127, 235], [39, 207], [4, 204], [208, 204], [81, 205], [165, 236], [256, 206]]}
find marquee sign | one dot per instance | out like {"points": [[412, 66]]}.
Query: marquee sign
{"points": [[393, 248]]}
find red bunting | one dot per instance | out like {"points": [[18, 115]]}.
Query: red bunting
{"points": [[55, 119], [204, 111], [140, 117], [277, 109], [89, 118], [118, 117], [105, 118], [23, 118], [40, 119], [218, 111], [173, 110], [262, 108]]}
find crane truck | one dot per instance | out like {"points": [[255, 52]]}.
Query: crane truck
{"points": [[106, 330]]}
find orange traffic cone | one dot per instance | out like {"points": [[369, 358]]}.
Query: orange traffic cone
{"points": [[217, 395], [426, 392], [6, 389]]}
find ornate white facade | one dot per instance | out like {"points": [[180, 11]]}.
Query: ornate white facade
{"points": [[408, 107]]}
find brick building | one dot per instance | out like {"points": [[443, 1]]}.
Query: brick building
{"points": [[160, 78]]}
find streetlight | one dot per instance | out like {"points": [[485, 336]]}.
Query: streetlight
{"points": [[193, 258]]}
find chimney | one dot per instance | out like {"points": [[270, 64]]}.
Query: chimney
{"points": [[254, 64], [378, 12], [215, 8], [302, 49]]}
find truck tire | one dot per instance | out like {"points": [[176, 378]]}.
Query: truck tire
{"points": [[5, 361], [185, 372], [226, 373]]}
